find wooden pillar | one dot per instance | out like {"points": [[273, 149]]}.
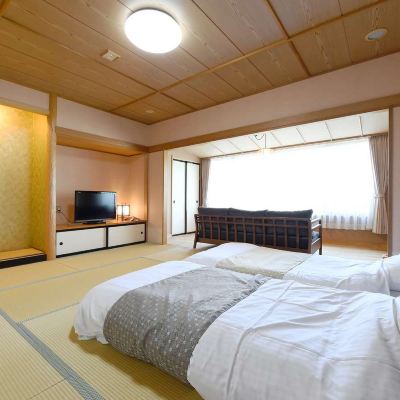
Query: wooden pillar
{"points": [[51, 186]]}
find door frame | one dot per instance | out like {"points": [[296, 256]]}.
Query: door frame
{"points": [[172, 172]]}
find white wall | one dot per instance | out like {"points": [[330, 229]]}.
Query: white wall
{"points": [[369, 80], [21, 96], [394, 182], [82, 118]]}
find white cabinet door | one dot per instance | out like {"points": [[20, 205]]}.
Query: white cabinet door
{"points": [[80, 240], [119, 235], [192, 195], [178, 197]]}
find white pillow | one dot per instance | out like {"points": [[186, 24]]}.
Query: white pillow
{"points": [[392, 267]]}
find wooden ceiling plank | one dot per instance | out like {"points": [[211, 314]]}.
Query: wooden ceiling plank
{"points": [[90, 18], [146, 111], [47, 20], [201, 38], [48, 51], [14, 74], [214, 87], [269, 46], [386, 15], [286, 35], [351, 5], [4, 6], [258, 27], [165, 103], [298, 15], [324, 49], [107, 18], [44, 71], [279, 65], [190, 96], [244, 77]]}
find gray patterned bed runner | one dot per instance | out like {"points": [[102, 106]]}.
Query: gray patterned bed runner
{"points": [[161, 323]]}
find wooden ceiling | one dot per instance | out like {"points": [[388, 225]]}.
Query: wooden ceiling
{"points": [[230, 49], [353, 126]]}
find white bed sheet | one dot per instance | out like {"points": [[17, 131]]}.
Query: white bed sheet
{"points": [[93, 309], [315, 269], [291, 341]]}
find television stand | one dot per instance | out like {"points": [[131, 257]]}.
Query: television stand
{"points": [[81, 238], [94, 222]]}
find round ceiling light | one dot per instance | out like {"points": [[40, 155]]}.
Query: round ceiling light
{"points": [[153, 31], [376, 34]]}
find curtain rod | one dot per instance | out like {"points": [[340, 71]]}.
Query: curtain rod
{"points": [[301, 144]]}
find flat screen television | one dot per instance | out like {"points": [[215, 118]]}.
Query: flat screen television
{"points": [[94, 207]]}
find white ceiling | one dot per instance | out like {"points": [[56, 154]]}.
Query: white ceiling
{"points": [[345, 127]]}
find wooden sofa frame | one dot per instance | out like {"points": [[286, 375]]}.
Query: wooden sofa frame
{"points": [[276, 223]]}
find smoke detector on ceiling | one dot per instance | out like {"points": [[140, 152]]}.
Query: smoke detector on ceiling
{"points": [[110, 55]]}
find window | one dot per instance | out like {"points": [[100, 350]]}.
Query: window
{"points": [[335, 180]]}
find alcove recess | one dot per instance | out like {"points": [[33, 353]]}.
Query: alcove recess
{"points": [[25, 176]]}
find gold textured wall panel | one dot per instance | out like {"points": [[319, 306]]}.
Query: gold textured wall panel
{"points": [[15, 178], [39, 182], [23, 171]]}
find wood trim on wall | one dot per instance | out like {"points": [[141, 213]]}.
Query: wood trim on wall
{"points": [[83, 140], [315, 116], [51, 187], [23, 106]]}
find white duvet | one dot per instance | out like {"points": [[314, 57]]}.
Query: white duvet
{"points": [[290, 341], [380, 276], [286, 341]]}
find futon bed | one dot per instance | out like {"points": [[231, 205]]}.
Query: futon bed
{"points": [[381, 276], [238, 336]]}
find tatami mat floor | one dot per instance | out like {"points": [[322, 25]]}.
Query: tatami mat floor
{"points": [[40, 356]]}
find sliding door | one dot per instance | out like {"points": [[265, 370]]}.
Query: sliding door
{"points": [[185, 196], [192, 194], [178, 197]]}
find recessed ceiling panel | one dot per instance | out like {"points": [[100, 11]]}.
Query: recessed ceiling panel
{"points": [[288, 136], [225, 146], [268, 141], [375, 122], [204, 150], [314, 132], [345, 127], [244, 143]]}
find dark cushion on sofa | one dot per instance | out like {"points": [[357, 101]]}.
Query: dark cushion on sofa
{"points": [[289, 214], [213, 211], [236, 212]]}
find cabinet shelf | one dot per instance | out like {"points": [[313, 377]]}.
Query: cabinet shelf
{"points": [[82, 238]]}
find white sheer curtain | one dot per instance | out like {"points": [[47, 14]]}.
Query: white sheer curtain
{"points": [[335, 180], [205, 173]]}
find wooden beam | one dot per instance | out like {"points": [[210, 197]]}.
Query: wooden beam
{"points": [[335, 112], [51, 186], [287, 40], [88, 141]]}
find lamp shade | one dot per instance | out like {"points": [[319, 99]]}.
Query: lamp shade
{"points": [[126, 210], [119, 210]]}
